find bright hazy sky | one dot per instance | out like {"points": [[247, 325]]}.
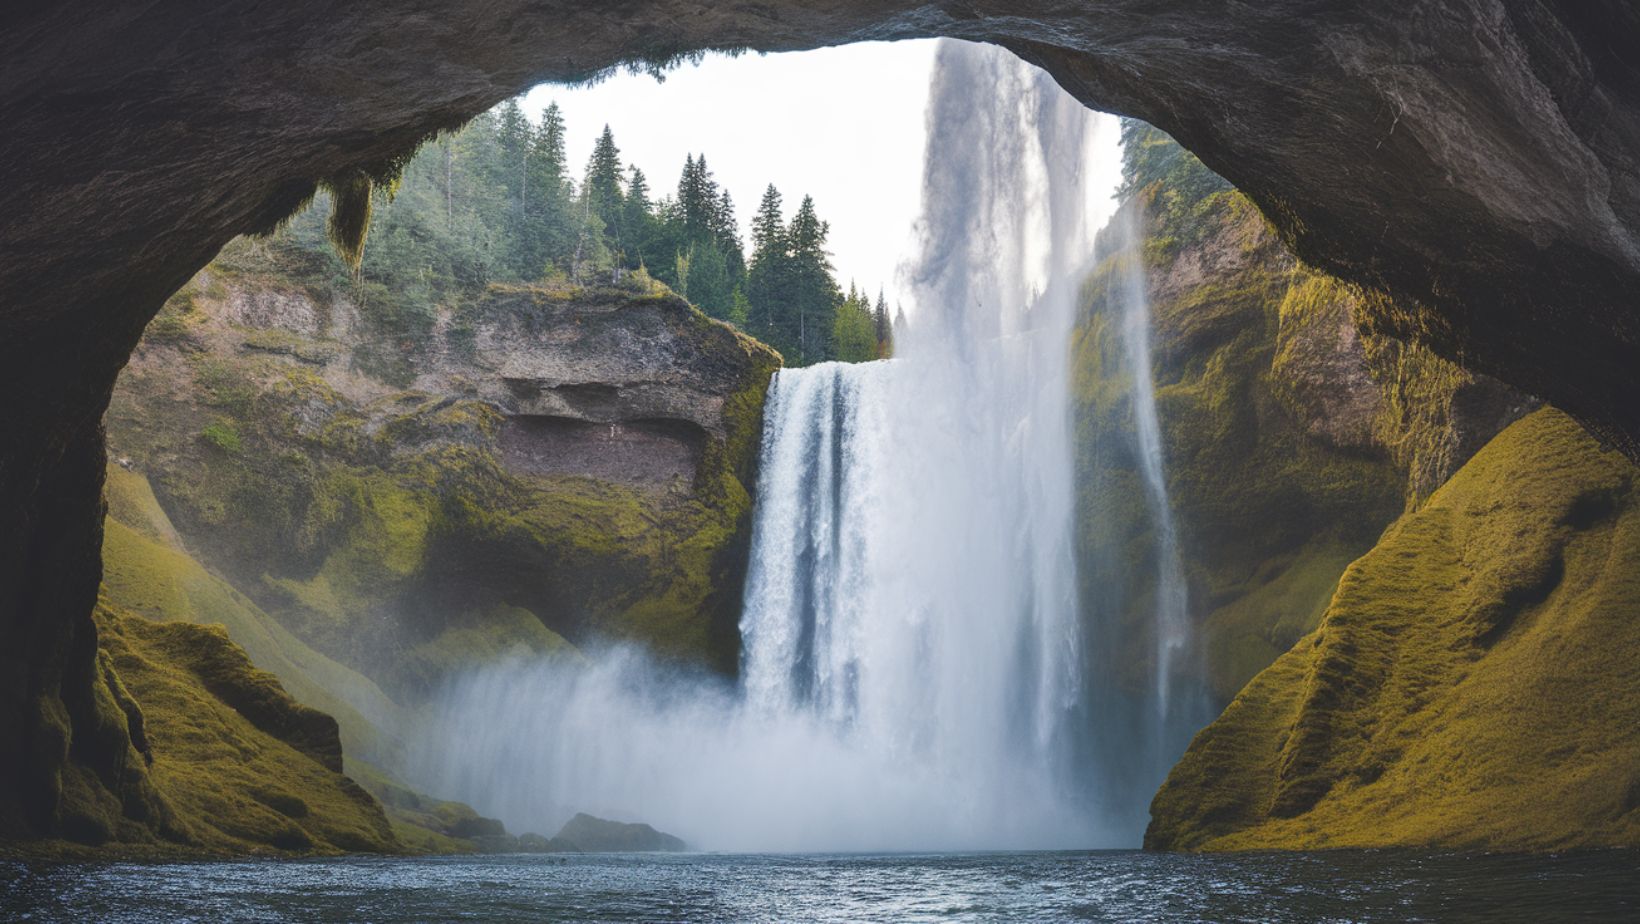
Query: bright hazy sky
{"points": [[843, 124]]}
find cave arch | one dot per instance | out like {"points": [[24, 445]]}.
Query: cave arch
{"points": [[1479, 160]]}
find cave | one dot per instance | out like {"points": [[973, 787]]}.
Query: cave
{"points": [[1478, 161]]}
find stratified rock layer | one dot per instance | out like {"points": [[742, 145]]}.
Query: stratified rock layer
{"points": [[1475, 681]]}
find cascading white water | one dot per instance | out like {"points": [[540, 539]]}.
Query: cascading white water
{"points": [[1172, 619], [912, 659], [913, 575]]}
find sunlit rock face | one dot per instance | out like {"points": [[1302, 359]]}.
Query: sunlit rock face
{"points": [[407, 499], [1470, 685], [1479, 159]]}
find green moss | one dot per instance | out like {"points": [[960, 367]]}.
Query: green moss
{"points": [[1417, 420], [232, 765], [223, 436], [1473, 682], [349, 215], [1268, 513], [1275, 606], [146, 570]]}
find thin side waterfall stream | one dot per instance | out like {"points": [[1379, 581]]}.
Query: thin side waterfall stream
{"points": [[913, 668], [1178, 707]]}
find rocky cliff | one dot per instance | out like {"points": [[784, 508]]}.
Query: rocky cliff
{"points": [[366, 505], [530, 465], [1472, 682], [1437, 629], [1290, 436]]}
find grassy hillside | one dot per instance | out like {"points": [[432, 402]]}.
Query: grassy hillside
{"points": [[1474, 682]]}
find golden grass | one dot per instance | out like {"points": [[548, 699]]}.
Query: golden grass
{"points": [[1475, 681]]}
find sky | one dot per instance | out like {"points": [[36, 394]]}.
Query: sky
{"points": [[842, 124]]}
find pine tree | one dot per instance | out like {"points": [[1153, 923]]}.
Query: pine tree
{"points": [[602, 188], [707, 282], [768, 226], [699, 204], [513, 146], [767, 275], [726, 231], [637, 220], [853, 332], [740, 309], [813, 293], [884, 328], [553, 221]]}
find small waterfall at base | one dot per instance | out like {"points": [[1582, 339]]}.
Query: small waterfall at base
{"points": [[913, 655]]}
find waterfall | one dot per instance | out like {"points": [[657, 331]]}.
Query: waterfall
{"points": [[913, 569], [1171, 618], [1146, 696], [912, 652]]}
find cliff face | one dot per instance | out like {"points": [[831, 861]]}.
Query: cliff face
{"points": [[1441, 633], [1290, 439], [529, 465], [1472, 683], [366, 505]]}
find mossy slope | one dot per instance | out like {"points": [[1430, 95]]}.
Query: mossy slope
{"points": [[147, 571], [1475, 681], [240, 766]]}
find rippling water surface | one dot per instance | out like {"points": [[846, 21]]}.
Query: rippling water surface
{"points": [[1103, 886]]}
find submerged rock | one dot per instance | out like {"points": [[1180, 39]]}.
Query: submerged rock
{"points": [[590, 834]]}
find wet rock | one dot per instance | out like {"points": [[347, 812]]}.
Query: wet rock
{"points": [[590, 834]]}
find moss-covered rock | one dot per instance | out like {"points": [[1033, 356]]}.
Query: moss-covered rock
{"points": [[1269, 508], [1290, 437], [1473, 682], [235, 763], [364, 540], [147, 570], [410, 533]]}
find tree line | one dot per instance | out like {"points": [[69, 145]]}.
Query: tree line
{"points": [[497, 201]]}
